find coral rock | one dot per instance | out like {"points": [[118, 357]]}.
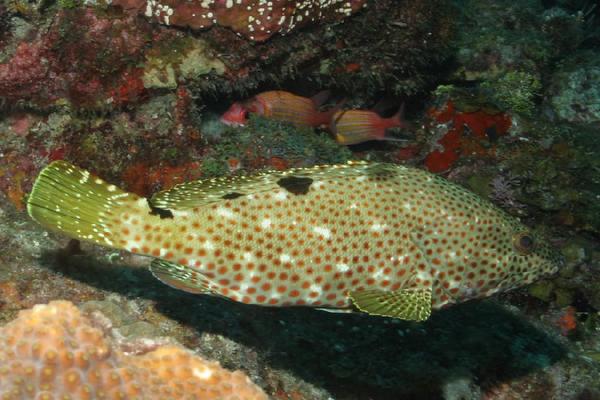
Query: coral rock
{"points": [[83, 59], [53, 351], [255, 19]]}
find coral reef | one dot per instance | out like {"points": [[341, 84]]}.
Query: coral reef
{"points": [[514, 91], [90, 60], [126, 60], [53, 351], [257, 20], [389, 49], [574, 93], [502, 96], [269, 144], [498, 39]]}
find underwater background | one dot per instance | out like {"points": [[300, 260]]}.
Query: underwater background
{"points": [[501, 97]]}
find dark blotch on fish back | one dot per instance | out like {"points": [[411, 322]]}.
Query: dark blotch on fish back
{"points": [[161, 212], [232, 195], [295, 184]]}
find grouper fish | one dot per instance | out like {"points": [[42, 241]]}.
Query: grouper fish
{"points": [[380, 238]]}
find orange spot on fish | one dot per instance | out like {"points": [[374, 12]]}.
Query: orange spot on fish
{"points": [[282, 289]]}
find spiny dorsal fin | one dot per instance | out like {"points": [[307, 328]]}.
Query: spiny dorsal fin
{"points": [[409, 304], [206, 191], [180, 277]]}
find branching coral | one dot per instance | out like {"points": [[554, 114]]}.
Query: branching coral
{"points": [[54, 352]]}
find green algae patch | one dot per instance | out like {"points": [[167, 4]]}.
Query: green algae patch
{"points": [[268, 144], [542, 290], [179, 59], [515, 91]]}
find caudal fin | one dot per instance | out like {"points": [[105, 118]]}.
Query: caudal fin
{"points": [[398, 118], [72, 201], [320, 98]]}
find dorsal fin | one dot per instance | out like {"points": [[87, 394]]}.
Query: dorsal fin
{"points": [[198, 193]]}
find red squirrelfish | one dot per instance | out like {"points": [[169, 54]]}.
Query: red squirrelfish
{"points": [[281, 106], [357, 126], [385, 239]]}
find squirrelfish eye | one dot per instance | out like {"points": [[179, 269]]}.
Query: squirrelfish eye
{"points": [[523, 242]]}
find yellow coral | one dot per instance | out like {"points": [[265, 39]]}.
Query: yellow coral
{"points": [[53, 352]]}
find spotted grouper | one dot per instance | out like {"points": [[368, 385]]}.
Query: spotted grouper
{"points": [[380, 238]]}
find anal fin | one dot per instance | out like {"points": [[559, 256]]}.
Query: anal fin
{"points": [[180, 277], [408, 304]]}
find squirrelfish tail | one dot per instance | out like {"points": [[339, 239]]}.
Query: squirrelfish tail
{"points": [[397, 120], [72, 201]]}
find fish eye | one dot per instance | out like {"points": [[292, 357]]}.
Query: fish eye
{"points": [[523, 242]]}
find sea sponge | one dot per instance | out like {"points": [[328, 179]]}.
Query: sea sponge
{"points": [[54, 352]]}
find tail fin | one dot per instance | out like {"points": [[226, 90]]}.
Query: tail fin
{"points": [[70, 200], [384, 104], [320, 98], [398, 117]]}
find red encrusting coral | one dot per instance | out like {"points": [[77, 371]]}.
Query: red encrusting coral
{"points": [[254, 19], [567, 322], [16, 176], [24, 76], [483, 126], [85, 59], [130, 88]]}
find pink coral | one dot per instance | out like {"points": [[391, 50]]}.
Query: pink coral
{"points": [[54, 352], [255, 19], [26, 73], [87, 59]]}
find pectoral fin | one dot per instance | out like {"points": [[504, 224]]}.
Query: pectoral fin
{"points": [[408, 304], [180, 277]]}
